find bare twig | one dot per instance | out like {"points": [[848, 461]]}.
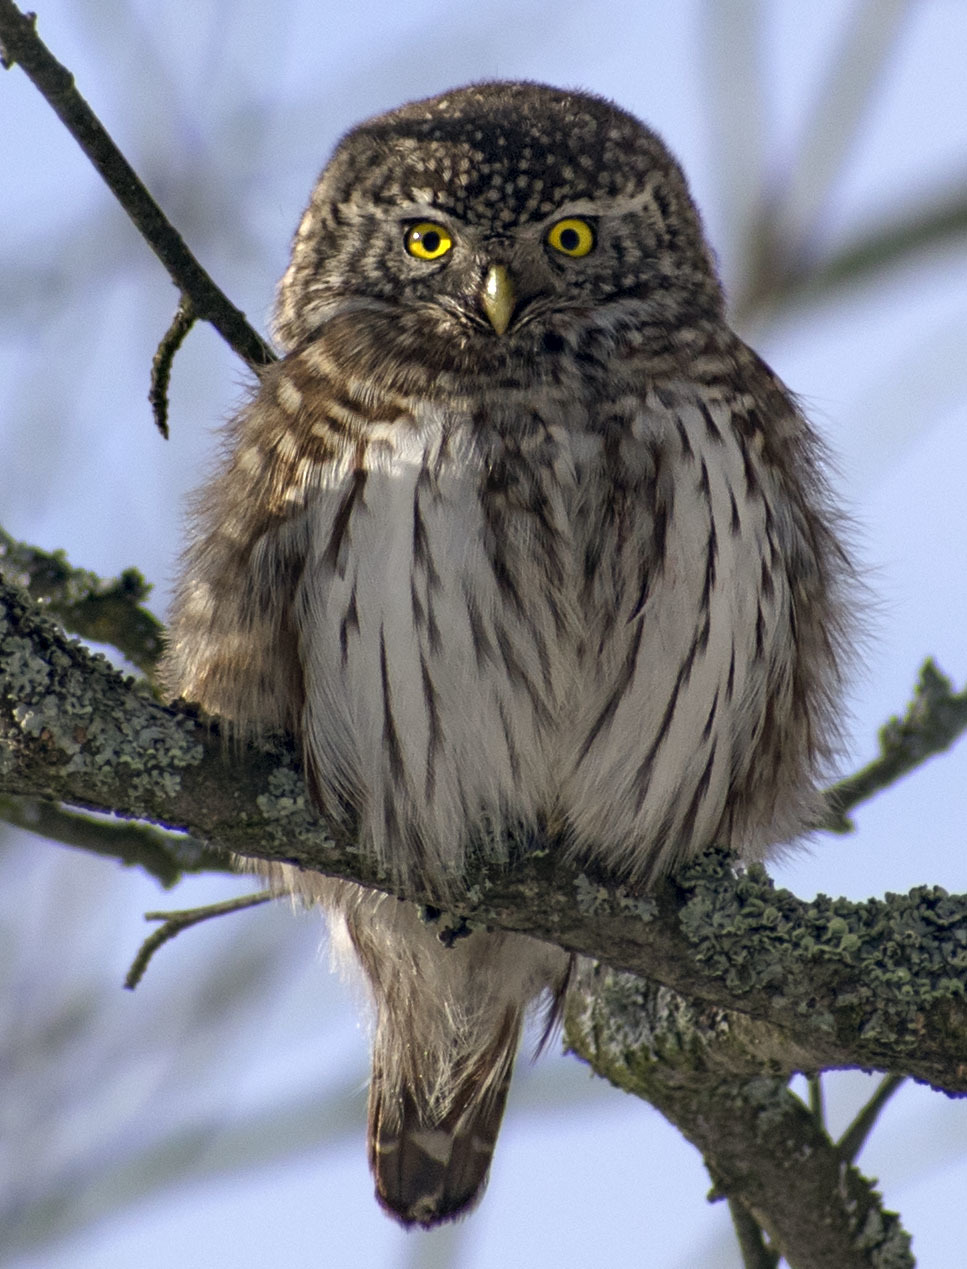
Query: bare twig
{"points": [[20, 44], [738, 122], [852, 1140], [171, 341], [933, 224], [175, 922], [816, 1107], [935, 718], [843, 99], [752, 1244]]}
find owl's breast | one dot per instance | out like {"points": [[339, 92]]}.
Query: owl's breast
{"points": [[440, 627], [516, 615]]}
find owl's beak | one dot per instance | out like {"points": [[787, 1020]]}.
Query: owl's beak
{"points": [[498, 298]]}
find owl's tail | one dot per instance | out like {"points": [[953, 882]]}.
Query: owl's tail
{"points": [[448, 1019], [430, 1155]]}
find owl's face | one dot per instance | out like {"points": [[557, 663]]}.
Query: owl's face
{"points": [[504, 215]]}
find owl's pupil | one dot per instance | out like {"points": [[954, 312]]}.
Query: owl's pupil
{"points": [[570, 240], [430, 240]]}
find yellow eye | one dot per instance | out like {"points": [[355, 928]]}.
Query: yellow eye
{"points": [[572, 237], [428, 240]]}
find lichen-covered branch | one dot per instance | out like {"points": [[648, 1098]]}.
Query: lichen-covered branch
{"points": [[103, 610], [764, 1148], [829, 983], [21, 45], [935, 718]]}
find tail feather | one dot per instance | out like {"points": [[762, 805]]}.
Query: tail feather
{"points": [[448, 1018], [431, 1161]]}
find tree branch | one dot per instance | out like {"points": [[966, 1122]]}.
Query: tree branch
{"points": [[171, 341], [20, 44], [828, 983], [853, 1139], [765, 1150], [184, 919], [746, 979], [103, 610], [164, 856], [752, 1245], [935, 718]]}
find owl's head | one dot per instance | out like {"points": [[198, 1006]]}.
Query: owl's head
{"points": [[508, 213]]}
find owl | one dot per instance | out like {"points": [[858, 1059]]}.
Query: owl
{"points": [[522, 543]]}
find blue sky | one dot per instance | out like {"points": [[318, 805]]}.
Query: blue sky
{"points": [[239, 1039]]}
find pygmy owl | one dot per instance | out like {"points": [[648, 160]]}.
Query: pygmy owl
{"points": [[522, 542]]}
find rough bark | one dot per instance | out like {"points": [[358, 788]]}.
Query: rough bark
{"points": [[763, 1148]]}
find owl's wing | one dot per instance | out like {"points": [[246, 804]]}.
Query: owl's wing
{"points": [[232, 643]]}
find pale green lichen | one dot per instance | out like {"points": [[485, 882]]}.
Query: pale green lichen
{"points": [[87, 717], [590, 898], [288, 827], [285, 797], [885, 960], [106, 610], [637, 1026], [23, 671], [642, 907]]}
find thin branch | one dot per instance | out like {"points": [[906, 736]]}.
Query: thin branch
{"points": [[175, 922], [105, 610], [934, 720], [748, 1233], [20, 44], [732, 52], [171, 341], [938, 225], [853, 1139], [165, 856], [816, 1108]]}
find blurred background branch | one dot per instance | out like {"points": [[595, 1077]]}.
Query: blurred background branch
{"points": [[168, 857]]}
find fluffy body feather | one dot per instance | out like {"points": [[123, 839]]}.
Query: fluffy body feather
{"points": [[578, 579]]}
